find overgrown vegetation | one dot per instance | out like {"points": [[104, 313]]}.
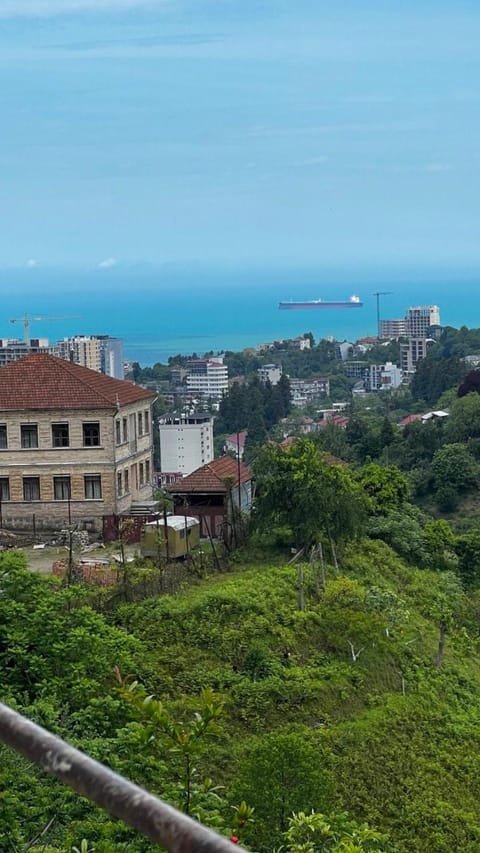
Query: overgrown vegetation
{"points": [[321, 692]]}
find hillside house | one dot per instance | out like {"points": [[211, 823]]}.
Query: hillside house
{"points": [[74, 444], [210, 492]]}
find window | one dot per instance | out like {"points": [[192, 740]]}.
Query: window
{"points": [[93, 487], [91, 434], [147, 471], [125, 430], [3, 437], [141, 474], [125, 480], [4, 489], [146, 421], [31, 488], [60, 436], [140, 423], [61, 488], [118, 437], [119, 483], [29, 435]]}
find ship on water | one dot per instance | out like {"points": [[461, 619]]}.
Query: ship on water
{"points": [[353, 302]]}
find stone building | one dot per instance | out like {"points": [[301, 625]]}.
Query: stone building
{"points": [[74, 444]]}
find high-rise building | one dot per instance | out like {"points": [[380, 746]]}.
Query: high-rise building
{"points": [[207, 377], [420, 319], [97, 352], [186, 442], [12, 350], [412, 352], [393, 328]]}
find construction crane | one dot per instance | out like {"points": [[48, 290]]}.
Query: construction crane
{"points": [[378, 294], [27, 319]]}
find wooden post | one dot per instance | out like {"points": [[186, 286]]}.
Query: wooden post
{"points": [[301, 591], [167, 545]]}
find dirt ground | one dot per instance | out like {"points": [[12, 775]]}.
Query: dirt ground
{"points": [[41, 559]]}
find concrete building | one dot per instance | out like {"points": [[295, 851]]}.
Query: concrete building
{"points": [[12, 350], [97, 352], [73, 443], [270, 373], [186, 443], [383, 377], [392, 329], [420, 319], [307, 391], [412, 352], [207, 377]]}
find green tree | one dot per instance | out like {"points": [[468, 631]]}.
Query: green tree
{"points": [[464, 420], [280, 773], [467, 548], [454, 471], [297, 488], [386, 486]]}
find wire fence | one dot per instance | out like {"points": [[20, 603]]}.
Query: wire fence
{"points": [[152, 817]]}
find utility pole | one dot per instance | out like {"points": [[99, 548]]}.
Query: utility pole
{"points": [[378, 294]]}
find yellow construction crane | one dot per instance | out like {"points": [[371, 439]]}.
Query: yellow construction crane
{"points": [[27, 319]]}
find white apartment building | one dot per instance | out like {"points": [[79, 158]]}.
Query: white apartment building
{"points": [[186, 443], [270, 373], [207, 377], [383, 377]]}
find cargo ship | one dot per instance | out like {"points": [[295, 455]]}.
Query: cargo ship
{"points": [[353, 302]]}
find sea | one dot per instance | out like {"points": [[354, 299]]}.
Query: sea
{"points": [[160, 312]]}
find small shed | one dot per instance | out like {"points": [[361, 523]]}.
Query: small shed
{"points": [[183, 534]]}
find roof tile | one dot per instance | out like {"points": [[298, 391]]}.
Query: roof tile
{"points": [[41, 381]]}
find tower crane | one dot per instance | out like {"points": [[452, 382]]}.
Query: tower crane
{"points": [[27, 319], [378, 294]]}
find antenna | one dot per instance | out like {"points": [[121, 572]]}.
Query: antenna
{"points": [[378, 294]]}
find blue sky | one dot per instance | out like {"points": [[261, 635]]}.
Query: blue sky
{"points": [[239, 132]]}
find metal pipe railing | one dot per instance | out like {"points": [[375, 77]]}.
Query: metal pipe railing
{"points": [[121, 798]]}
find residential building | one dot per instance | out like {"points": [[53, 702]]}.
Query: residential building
{"points": [[12, 350], [97, 352], [304, 392], [186, 442], [235, 443], [412, 352], [355, 369], [381, 377], [420, 319], [207, 377], [270, 373], [75, 445], [210, 493], [393, 329], [343, 350]]}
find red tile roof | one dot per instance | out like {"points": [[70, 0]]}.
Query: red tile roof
{"points": [[211, 477], [409, 419], [237, 438], [41, 381]]}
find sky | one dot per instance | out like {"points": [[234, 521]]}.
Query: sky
{"points": [[239, 132]]}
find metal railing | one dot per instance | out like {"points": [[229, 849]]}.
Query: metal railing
{"points": [[158, 821]]}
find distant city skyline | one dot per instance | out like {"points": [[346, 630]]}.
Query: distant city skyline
{"points": [[270, 133]]}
